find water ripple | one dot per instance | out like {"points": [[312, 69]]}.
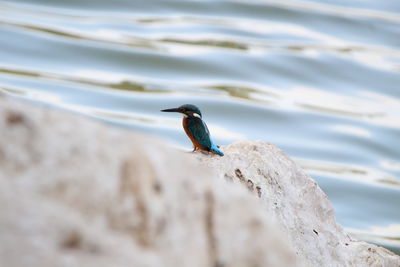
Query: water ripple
{"points": [[352, 172], [365, 108]]}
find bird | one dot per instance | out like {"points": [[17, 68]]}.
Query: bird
{"points": [[196, 129]]}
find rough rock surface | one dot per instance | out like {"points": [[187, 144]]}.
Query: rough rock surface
{"points": [[74, 192], [295, 201]]}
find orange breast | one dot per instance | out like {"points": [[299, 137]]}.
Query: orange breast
{"points": [[194, 141]]}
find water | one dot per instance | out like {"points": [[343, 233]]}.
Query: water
{"points": [[320, 79]]}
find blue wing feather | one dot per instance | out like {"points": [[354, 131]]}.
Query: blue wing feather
{"points": [[198, 129]]}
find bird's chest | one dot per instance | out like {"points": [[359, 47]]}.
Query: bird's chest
{"points": [[185, 124]]}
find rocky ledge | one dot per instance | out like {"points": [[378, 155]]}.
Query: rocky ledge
{"points": [[76, 192], [294, 200]]}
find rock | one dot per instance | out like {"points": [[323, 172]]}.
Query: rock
{"points": [[295, 201], [75, 192]]}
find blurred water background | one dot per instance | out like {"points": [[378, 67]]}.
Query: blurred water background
{"points": [[320, 79]]}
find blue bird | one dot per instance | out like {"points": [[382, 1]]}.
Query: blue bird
{"points": [[196, 129]]}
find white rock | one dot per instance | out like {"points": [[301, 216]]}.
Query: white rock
{"points": [[74, 192], [295, 201]]}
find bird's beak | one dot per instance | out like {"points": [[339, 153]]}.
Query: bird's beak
{"points": [[170, 110]]}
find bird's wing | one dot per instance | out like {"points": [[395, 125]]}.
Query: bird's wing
{"points": [[198, 129]]}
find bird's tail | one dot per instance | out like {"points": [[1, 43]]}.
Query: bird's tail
{"points": [[216, 150]]}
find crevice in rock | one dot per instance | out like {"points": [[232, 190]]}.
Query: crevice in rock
{"points": [[129, 186], [248, 182], [250, 185], [258, 188], [209, 223], [72, 240], [157, 187], [2, 155], [239, 175], [14, 118]]}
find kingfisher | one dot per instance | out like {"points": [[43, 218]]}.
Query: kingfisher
{"points": [[196, 129]]}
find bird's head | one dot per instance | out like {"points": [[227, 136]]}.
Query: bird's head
{"points": [[187, 109]]}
